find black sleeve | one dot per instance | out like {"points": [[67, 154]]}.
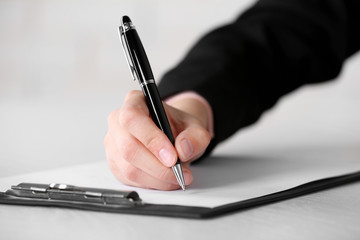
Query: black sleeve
{"points": [[274, 47]]}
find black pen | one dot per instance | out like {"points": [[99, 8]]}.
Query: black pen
{"points": [[141, 70]]}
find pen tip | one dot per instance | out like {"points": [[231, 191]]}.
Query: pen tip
{"points": [[179, 175]]}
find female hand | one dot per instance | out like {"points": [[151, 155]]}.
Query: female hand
{"points": [[141, 155]]}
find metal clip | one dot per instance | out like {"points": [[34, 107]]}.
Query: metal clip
{"points": [[71, 193], [122, 29]]}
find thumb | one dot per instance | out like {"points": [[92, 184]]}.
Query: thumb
{"points": [[190, 122], [192, 142]]}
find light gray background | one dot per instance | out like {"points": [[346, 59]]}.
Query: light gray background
{"points": [[62, 71]]}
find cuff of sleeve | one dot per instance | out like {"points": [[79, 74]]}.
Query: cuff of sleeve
{"points": [[196, 96]]}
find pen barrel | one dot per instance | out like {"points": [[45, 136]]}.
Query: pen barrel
{"points": [[140, 59], [156, 109]]}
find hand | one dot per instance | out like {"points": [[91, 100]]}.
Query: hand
{"points": [[140, 154]]}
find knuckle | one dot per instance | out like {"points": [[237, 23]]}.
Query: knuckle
{"points": [[204, 135], [164, 175], [107, 139], [133, 94], [129, 151], [112, 117], [153, 142], [112, 165], [128, 116], [117, 169], [132, 174]]}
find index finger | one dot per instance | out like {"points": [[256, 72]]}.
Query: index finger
{"points": [[135, 118]]}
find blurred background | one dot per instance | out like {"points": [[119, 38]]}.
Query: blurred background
{"points": [[62, 71]]}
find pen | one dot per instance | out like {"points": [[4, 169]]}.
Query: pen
{"points": [[140, 69]]}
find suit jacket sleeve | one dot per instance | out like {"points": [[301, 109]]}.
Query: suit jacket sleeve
{"points": [[274, 47]]}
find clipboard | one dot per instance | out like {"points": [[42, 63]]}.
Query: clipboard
{"points": [[129, 202]]}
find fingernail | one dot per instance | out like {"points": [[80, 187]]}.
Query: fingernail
{"points": [[187, 148], [166, 157]]}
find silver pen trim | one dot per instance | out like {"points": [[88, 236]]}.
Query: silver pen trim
{"points": [[177, 169], [147, 82]]}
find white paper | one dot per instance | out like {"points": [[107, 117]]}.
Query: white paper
{"points": [[218, 180]]}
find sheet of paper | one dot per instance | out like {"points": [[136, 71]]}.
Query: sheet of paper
{"points": [[218, 180]]}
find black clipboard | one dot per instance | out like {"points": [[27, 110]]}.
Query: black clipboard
{"points": [[68, 196]]}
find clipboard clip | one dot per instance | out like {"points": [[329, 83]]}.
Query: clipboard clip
{"points": [[71, 194]]}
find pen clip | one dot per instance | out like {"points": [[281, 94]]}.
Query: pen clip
{"points": [[125, 45]]}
